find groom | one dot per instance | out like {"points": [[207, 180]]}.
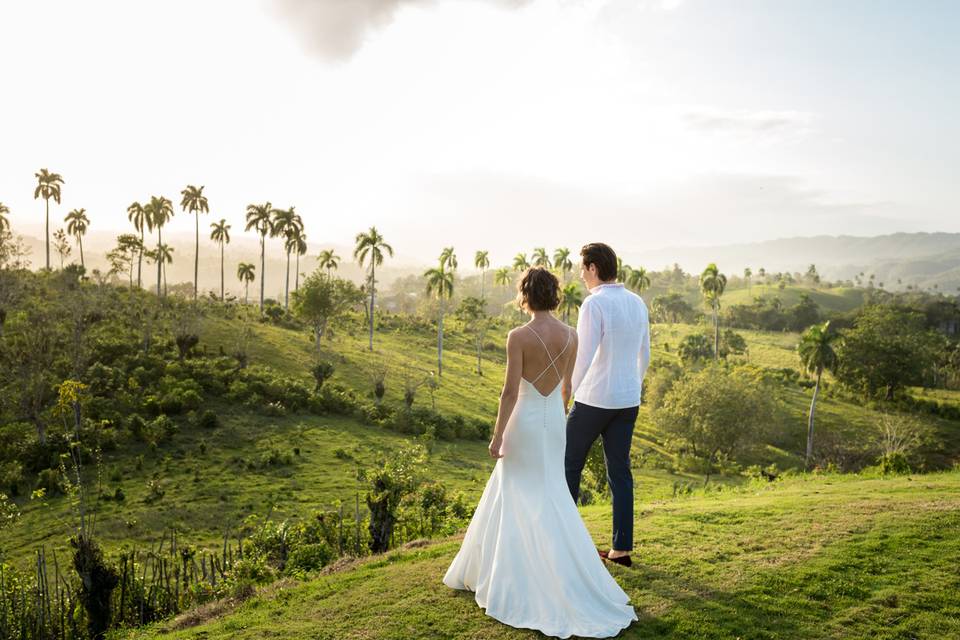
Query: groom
{"points": [[612, 358]]}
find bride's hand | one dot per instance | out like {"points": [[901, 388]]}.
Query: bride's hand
{"points": [[495, 444]]}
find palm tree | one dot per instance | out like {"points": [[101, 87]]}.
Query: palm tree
{"points": [[481, 260], [4, 222], [258, 218], [285, 224], [520, 262], [328, 260], [570, 300], [299, 241], [48, 186], [158, 211], [638, 279], [195, 202], [61, 245], [747, 274], [440, 280], [246, 272], [503, 276], [712, 284], [138, 216], [220, 233], [562, 261], [165, 257], [817, 354], [371, 245], [448, 258], [540, 258], [77, 223]]}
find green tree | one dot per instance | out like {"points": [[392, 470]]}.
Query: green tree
{"points": [[638, 280], [561, 260], [159, 211], [370, 248], [716, 410], [321, 299], [328, 260], [299, 242], [695, 347], [61, 245], [77, 223], [540, 258], [502, 277], [259, 219], [48, 186], [4, 222], [138, 216], [246, 272], [220, 233], [481, 260], [129, 246], [887, 349], [193, 201], [712, 285], [747, 274], [286, 223], [440, 282], [817, 354], [520, 262], [570, 300], [472, 312]]}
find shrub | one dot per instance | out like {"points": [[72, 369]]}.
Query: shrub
{"points": [[208, 420], [309, 557], [50, 480]]}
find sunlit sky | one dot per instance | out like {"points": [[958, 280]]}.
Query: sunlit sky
{"points": [[496, 124]]}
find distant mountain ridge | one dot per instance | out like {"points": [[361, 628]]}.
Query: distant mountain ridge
{"points": [[922, 259]]}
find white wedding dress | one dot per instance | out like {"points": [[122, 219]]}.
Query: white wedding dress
{"points": [[527, 554]]}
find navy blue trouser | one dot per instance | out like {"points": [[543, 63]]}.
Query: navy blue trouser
{"points": [[615, 426]]}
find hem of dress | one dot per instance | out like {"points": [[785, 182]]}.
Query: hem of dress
{"points": [[553, 633]]}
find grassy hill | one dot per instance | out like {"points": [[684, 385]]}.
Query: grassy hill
{"points": [[213, 479], [834, 300], [817, 557]]}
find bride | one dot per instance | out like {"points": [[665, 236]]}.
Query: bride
{"points": [[527, 554]]}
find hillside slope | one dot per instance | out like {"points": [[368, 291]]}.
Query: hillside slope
{"points": [[817, 557]]}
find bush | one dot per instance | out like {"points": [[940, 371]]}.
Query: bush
{"points": [[51, 482], [309, 557], [208, 420]]}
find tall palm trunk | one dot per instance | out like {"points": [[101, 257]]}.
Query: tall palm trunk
{"points": [[716, 333], [196, 257], [47, 200], [483, 277], [80, 242], [140, 259], [373, 293], [440, 338], [246, 292], [164, 279], [262, 265], [296, 274], [813, 408], [221, 271], [286, 286], [159, 261]]}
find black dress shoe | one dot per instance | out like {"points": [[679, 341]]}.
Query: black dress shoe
{"points": [[621, 560]]}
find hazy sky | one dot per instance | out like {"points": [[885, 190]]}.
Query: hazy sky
{"points": [[492, 124]]}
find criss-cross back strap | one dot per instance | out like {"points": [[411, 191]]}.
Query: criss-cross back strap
{"points": [[553, 359]]}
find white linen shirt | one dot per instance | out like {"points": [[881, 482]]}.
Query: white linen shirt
{"points": [[614, 348]]}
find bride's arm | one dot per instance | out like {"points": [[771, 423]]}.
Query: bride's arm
{"points": [[508, 396], [567, 388]]}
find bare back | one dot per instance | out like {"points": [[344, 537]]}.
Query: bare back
{"points": [[549, 349]]}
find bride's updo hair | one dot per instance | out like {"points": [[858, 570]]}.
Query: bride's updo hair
{"points": [[539, 290]]}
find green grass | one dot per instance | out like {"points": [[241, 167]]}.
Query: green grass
{"points": [[838, 299], [817, 557]]}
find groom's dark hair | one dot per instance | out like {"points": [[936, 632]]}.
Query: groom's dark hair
{"points": [[603, 257]]}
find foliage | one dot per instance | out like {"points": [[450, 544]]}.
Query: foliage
{"points": [[887, 349], [321, 299], [717, 410]]}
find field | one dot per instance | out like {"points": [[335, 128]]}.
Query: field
{"points": [[817, 557]]}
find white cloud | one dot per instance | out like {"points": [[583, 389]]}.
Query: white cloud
{"points": [[763, 122]]}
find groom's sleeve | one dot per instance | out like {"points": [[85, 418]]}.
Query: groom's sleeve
{"points": [[643, 359], [589, 330]]}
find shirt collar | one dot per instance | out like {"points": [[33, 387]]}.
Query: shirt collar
{"points": [[605, 285]]}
